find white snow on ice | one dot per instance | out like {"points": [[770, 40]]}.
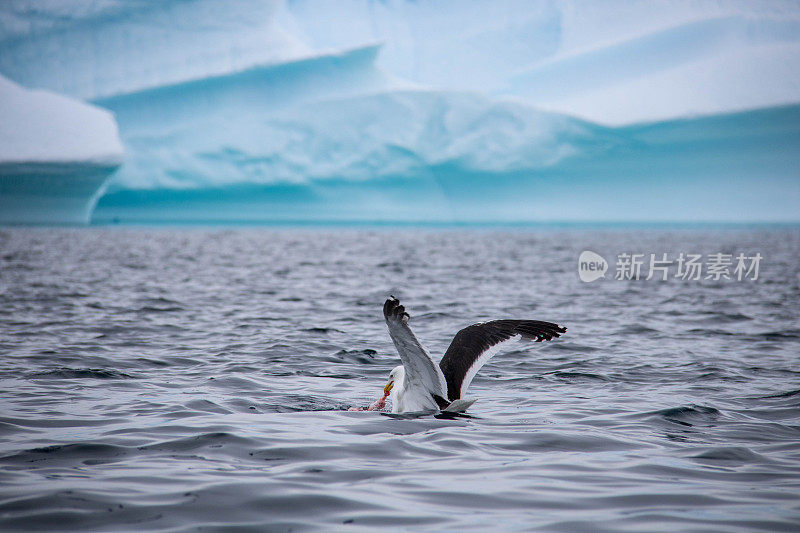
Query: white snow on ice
{"points": [[41, 126], [617, 61]]}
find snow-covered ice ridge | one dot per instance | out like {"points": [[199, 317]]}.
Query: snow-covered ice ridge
{"points": [[97, 48], [181, 136], [613, 62], [55, 154], [395, 109]]}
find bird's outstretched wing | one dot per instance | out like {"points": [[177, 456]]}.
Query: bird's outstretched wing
{"points": [[474, 345], [420, 368]]}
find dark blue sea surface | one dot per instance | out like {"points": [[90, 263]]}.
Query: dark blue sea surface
{"points": [[176, 379]]}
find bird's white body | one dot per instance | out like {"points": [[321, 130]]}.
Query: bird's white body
{"points": [[406, 397]]}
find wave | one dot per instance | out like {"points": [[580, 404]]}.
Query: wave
{"points": [[81, 373], [689, 415]]}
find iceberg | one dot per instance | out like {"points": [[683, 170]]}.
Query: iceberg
{"points": [[282, 135], [442, 157], [55, 155], [96, 49], [615, 62], [704, 67], [299, 110], [349, 157]]}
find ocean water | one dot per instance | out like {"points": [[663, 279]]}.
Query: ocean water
{"points": [[184, 379]]}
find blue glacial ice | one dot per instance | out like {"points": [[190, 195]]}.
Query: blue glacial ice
{"points": [[55, 155], [426, 111]]}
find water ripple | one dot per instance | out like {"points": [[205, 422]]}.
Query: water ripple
{"points": [[174, 380]]}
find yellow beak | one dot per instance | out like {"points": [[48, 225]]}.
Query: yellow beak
{"points": [[388, 387]]}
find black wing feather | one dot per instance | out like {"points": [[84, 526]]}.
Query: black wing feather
{"points": [[472, 341]]}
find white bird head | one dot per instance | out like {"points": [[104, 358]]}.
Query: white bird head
{"points": [[396, 377]]}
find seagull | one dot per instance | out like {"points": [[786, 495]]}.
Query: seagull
{"points": [[420, 385]]}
